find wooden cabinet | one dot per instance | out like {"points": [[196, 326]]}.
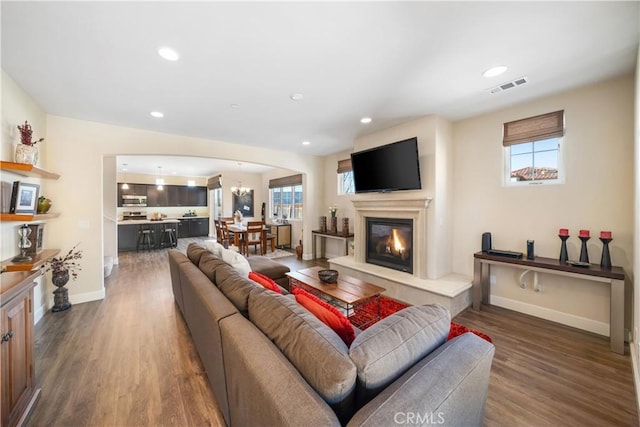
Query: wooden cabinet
{"points": [[17, 374], [157, 198], [282, 235], [170, 196], [199, 227]]}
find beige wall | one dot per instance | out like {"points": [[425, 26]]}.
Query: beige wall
{"points": [[597, 195], [636, 245], [76, 149]]}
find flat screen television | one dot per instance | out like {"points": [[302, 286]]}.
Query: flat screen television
{"points": [[390, 167]]}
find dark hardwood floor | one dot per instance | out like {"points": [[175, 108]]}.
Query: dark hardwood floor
{"points": [[129, 360]]}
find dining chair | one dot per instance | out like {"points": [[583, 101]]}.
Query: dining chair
{"points": [[254, 236]]}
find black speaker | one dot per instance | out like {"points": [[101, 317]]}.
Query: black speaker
{"points": [[486, 242], [530, 252]]}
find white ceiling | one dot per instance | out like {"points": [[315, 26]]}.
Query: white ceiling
{"points": [[391, 61], [185, 166]]}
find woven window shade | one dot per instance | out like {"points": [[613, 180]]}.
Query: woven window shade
{"points": [[536, 128], [286, 181], [344, 166], [214, 182]]}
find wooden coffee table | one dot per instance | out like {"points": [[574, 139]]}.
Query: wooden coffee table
{"points": [[348, 293]]}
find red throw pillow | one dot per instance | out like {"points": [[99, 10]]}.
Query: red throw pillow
{"points": [[327, 314], [265, 281]]}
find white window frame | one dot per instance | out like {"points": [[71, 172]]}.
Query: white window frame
{"points": [[293, 216], [507, 168]]}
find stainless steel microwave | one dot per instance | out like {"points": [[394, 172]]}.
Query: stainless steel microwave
{"points": [[131, 200]]}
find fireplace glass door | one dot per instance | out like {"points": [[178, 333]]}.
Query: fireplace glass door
{"points": [[390, 243]]}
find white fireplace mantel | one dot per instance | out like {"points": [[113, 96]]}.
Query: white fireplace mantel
{"points": [[414, 208]]}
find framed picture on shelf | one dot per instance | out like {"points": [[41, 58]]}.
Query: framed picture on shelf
{"points": [[35, 237], [24, 198]]}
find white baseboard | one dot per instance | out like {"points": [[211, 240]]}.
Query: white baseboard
{"points": [[39, 313], [583, 323]]}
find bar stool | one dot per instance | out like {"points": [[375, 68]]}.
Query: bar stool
{"points": [[146, 237], [168, 236]]}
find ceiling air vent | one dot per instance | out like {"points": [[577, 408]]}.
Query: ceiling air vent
{"points": [[509, 85]]}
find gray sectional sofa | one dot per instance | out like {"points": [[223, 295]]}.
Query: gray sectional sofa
{"points": [[270, 362]]}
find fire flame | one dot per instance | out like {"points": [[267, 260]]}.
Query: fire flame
{"points": [[397, 241]]}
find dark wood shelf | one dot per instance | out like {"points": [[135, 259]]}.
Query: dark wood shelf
{"points": [[554, 264], [27, 217], [38, 260], [25, 169]]}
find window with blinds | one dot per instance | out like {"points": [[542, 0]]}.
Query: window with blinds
{"points": [[285, 197], [345, 177], [533, 149]]}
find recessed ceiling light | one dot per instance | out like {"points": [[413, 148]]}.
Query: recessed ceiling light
{"points": [[495, 71], [168, 54], [296, 96], [234, 106], [157, 114], [365, 120], [306, 143]]}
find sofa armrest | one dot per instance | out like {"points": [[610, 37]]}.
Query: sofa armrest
{"points": [[447, 387]]}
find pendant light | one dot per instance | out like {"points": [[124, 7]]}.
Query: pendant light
{"points": [[240, 190], [159, 180], [124, 186]]}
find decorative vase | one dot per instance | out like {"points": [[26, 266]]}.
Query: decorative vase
{"points": [[44, 205], [60, 295], [323, 224], [584, 255], [26, 154], [334, 225], [564, 256], [605, 261], [299, 250], [345, 225]]}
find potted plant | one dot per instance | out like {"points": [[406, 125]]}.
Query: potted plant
{"points": [[63, 268], [26, 150]]}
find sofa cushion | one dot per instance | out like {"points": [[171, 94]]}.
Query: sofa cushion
{"points": [[237, 261], [316, 351], [208, 265], [270, 268], [235, 287], [266, 282], [327, 314], [383, 352], [194, 252], [214, 247]]}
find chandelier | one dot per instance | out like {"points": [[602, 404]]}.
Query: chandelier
{"points": [[240, 190]]}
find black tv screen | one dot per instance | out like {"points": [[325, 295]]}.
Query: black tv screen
{"points": [[390, 167]]}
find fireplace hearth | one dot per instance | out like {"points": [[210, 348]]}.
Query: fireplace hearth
{"points": [[389, 243]]}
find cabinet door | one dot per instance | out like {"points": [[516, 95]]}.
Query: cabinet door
{"points": [[127, 237], [17, 357], [156, 198], [183, 228], [284, 236], [200, 227], [197, 196], [177, 195]]}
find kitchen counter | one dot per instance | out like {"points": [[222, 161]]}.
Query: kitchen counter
{"points": [[147, 221], [190, 226]]}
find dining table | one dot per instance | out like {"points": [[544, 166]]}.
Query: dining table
{"points": [[239, 230]]}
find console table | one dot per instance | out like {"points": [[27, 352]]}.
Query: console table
{"points": [[322, 235], [613, 276]]}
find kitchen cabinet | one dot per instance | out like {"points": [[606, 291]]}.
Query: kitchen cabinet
{"points": [[17, 375], [127, 237], [198, 227], [170, 196], [183, 228], [282, 235], [157, 198]]}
